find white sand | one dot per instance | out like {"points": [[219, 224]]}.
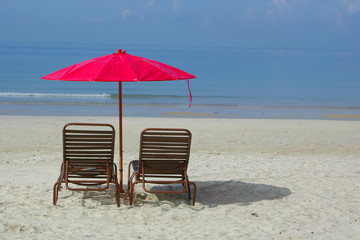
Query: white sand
{"points": [[257, 179]]}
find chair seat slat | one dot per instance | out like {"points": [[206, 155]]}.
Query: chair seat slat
{"points": [[69, 136], [99, 147], [165, 144], [85, 140], [100, 152], [165, 150], [164, 139], [88, 131], [162, 133], [164, 157]]}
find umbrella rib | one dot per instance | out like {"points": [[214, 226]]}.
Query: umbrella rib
{"points": [[68, 69], [101, 70], [134, 68], [158, 66]]}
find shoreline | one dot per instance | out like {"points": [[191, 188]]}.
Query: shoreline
{"points": [[181, 110]]}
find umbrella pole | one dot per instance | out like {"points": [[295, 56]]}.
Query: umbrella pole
{"points": [[120, 138]]}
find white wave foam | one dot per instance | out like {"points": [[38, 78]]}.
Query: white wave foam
{"points": [[61, 95]]}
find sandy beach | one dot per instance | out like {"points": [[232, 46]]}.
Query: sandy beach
{"points": [[256, 179]]}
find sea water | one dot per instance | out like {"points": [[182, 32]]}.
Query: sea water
{"points": [[232, 82]]}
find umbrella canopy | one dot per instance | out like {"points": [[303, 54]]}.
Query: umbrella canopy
{"points": [[120, 67]]}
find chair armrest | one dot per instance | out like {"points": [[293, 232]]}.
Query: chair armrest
{"points": [[135, 165]]}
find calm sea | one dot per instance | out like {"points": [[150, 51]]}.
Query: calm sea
{"points": [[232, 82]]}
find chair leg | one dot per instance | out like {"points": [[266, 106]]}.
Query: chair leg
{"points": [[118, 196], [56, 192], [57, 185], [117, 186], [131, 193], [189, 191], [183, 179], [188, 183], [194, 194]]}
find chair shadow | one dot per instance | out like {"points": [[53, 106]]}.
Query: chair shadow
{"points": [[215, 193], [107, 197], [210, 193]]}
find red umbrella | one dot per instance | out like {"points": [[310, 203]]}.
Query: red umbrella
{"points": [[119, 67]]}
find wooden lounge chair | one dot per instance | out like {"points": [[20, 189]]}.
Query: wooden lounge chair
{"points": [[88, 153], [163, 159]]}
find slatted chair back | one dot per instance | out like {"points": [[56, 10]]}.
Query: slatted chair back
{"points": [[163, 159], [164, 152], [88, 152]]}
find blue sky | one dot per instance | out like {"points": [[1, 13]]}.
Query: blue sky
{"points": [[304, 24]]}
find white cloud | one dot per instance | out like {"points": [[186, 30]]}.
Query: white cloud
{"points": [[270, 13], [175, 5], [125, 14], [279, 3], [278, 7], [92, 19], [351, 6], [205, 22], [149, 5], [250, 13], [332, 15]]}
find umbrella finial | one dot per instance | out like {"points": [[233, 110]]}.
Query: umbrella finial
{"points": [[119, 51], [124, 52]]}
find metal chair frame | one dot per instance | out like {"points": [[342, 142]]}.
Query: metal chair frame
{"points": [[164, 154], [88, 154]]}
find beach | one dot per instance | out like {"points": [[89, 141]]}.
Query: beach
{"points": [[268, 89], [256, 179]]}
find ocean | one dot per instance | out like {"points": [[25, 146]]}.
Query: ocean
{"points": [[232, 82]]}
